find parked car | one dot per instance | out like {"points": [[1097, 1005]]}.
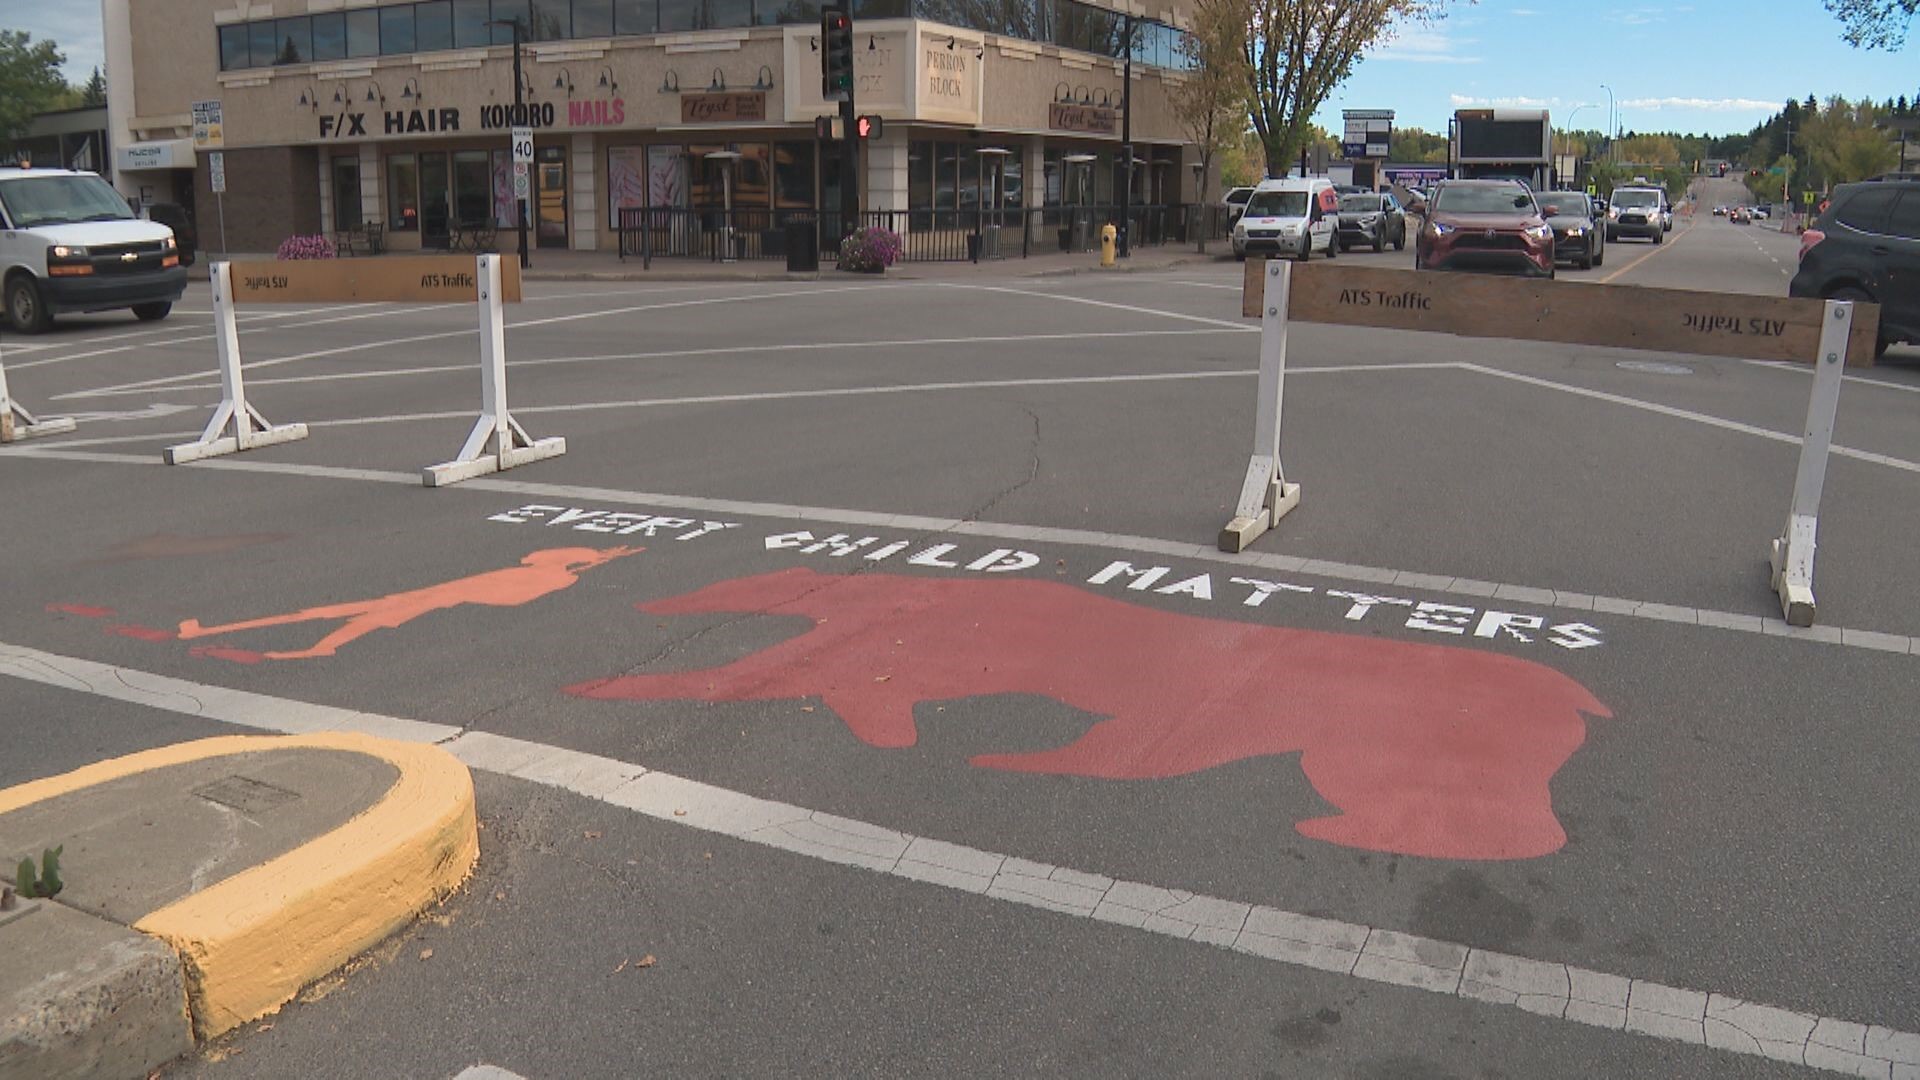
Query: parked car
{"points": [[1761, 212], [1485, 225], [1866, 247], [1638, 211], [1288, 217], [1578, 235], [1372, 218], [69, 242], [1235, 201]]}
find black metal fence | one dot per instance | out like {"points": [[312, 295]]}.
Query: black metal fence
{"points": [[649, 233]]}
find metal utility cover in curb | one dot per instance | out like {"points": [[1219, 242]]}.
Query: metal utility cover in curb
{"points": [[252, 941]]}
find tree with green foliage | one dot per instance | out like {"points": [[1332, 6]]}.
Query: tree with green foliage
{"points": [[94, 93], [1299, 51], [1412, 144], [1211, 99], [30, 80], [1874, 24]]}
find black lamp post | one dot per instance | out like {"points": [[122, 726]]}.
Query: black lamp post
{"points": [[1121, 246], [518, 119]]}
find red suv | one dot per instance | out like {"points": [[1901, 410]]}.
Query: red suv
{"points": [[1485, 225]]}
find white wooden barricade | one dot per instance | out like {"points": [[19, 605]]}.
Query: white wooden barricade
{"points": [[1665, 320], [17, 423], [236, 424], [498, 441]]}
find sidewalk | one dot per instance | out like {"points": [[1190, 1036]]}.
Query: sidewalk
{"points": [[203, 884], [554, 265]]}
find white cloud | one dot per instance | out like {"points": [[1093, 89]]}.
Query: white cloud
{"points": [[1524, 13], [1425, 47], [1700, 104], [1464, 101]]}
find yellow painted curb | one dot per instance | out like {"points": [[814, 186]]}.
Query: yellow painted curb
{"points": [[251, 942]]}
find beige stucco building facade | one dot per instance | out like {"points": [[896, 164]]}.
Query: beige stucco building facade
{"points": [[332, 114]]}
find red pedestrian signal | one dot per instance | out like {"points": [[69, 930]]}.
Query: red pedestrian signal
{"points": [[868, 127]]}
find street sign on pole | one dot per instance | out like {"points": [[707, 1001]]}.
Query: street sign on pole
{"points": [[217, 171], [523, 146], [521, 184]]}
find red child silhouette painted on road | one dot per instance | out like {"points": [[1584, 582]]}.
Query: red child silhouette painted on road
{"points": [[1422, 749], [538, 574]]}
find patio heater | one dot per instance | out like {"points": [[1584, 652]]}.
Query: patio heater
{"points": [[726, 158]]}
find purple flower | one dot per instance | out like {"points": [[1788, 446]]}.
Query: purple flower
{"points": [[306, 247]]}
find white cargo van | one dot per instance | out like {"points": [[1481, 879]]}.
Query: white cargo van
{"points": [[1289, 217], [68, 242]]}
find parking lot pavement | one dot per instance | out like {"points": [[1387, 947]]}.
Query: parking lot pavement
{"points": [[849, 497]]}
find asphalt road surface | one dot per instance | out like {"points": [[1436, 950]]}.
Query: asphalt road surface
{"points": [[1045, 784]]}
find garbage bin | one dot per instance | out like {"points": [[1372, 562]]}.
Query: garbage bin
{"points": [[803, 247]]}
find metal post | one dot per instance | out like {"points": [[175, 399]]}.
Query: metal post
{"points": [[849, 168], [1792, 554], [518, 118], [1122, 244], [220, 205]]}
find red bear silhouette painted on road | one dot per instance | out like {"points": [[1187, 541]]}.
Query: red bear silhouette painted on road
{"points": [[1428, 750]]}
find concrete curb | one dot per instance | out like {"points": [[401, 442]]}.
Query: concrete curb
{"points": [[246, 945]]}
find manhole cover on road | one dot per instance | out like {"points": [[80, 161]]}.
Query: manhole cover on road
{"points": [[1654, 367], [246, 795]]}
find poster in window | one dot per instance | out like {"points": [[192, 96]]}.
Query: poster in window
{"points": [[626, 180], [666, 176], [503, 203]]}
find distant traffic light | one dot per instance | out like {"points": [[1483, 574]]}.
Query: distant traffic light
{"points": [[836, 54], [868, 127]]}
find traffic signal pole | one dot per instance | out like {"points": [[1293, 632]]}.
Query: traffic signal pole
{"points": [[836, 84]]}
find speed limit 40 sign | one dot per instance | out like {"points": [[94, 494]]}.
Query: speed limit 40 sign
{"points": [[522, 146]]}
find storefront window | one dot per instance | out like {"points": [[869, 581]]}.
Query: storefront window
{"points": [[550, 21], [329, 36], [626, 181], [509, 11], [235, 50], [403, 193], [920, 183], [346, 193], [396, 29], [945, 166], [793, 175], [634, 16], [296, 41], [363, 32], [472, 187], [433, 26], [470, 29], [592, 18]]}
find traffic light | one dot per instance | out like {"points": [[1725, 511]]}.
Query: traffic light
{"points": [[868, 127], [836, 54], [823, 128]]}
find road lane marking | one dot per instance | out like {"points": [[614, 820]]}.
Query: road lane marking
{"points": [[1869, 640], [173, 380], [1375, 954], [1657, 249], [1109, 304], [467, 368]]}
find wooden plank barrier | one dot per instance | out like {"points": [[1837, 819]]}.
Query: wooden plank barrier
{"points": [[1829, 334], [17, 423]]}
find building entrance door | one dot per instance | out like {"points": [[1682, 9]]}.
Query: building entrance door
{"points": [[550, 209]]}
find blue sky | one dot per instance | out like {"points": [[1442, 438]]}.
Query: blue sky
{"points": [[1713, 66]]}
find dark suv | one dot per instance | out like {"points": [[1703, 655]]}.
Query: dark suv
{"points": [[1866, 246]]}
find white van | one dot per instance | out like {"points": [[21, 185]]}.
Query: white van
{"points": [[1289, 217], [68, 242]]}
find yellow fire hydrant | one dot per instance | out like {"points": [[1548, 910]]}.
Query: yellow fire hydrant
{"points": [[1109, 237]]}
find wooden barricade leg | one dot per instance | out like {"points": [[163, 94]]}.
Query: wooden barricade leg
{"points": [[1265, 495], [497, 441], [1792, 554], [17, 423], [248, 428]]}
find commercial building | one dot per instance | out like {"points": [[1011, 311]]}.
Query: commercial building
{"points": [[337, 114], [61, 139]]}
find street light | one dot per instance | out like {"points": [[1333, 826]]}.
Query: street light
{"points": [[1570, 127], [519, 118], [1123, 246], [1613, 123]]}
